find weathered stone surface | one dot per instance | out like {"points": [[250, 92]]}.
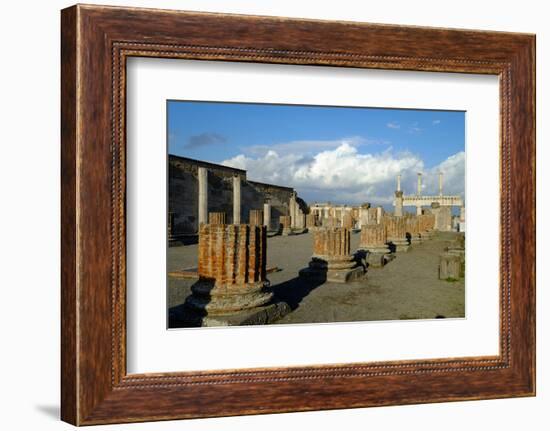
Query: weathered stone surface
{"points": [[373, 242], [311, 221], [443, 217], [398, 203], [332, 259], [256, 218], [412, 226], [286, 222], [397, 234], [347, 221], [450, 267], [232, 269], [216, 218]]}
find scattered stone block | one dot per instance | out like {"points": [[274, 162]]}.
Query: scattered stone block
{"points": [[450, 267]]}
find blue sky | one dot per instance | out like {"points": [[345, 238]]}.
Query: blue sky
{"points": [[346, 155]]}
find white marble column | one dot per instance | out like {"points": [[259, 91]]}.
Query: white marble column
{"points": [[418, 210], [203, 195], [292, 208], [267, 214], [236, 199]]}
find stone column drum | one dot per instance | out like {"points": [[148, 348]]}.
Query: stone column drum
{"points": [[311, 220], [373, 240], [397, 234], [232, 270], [332, 260], [285, 225], [412, 226], [216, 218], [256, 218], [347, 221]]}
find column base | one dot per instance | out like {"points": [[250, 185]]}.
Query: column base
{"points": [[211, 299], [338, 270], [264, 315], [399, 245]]}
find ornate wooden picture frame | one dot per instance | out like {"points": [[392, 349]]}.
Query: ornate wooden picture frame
{"points": [[96, 42]]}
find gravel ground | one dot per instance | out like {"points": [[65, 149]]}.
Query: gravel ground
{"points": [[406, 288]]}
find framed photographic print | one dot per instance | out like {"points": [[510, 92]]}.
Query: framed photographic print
{"points": [[264, 215]]}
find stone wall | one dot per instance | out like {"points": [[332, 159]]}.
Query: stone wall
{"points": [[183, 194]]}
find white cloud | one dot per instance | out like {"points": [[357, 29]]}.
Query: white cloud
{"points": [[344, 175], [434, 122], [393, 125]]}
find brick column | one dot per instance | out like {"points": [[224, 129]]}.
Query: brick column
{"points": [[397, 234], [373, 241], [232, 269], [332, 260], [216, 218], [256, 218]]}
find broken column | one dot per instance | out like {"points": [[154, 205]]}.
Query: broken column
{"points": [[285, 225], [427, 222], [300, 223], [397, 234], [311, 221], [443, 217], [374, 242], [450, 267], [203, 195], [236, 199], [379, 214], [332, 260], [347, 220], [256, 218], [412, 226], [232, 270], [216, 218]]}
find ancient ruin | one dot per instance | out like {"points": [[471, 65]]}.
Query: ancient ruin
{"points": [[397, 233], [285, 222], [332, 260], [216, 218], [256, 218], [374, 242], [209, 204], [231, 275]]}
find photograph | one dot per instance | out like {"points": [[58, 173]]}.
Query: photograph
{"points": [[304, 214]]}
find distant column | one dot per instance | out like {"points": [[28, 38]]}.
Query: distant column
{"points": [[441, 184], [398, 203], [399, 182], [379, 214], [203, 195], [267, 214], [236, 199], [292, 208], [419, 210], [419, 184]]}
